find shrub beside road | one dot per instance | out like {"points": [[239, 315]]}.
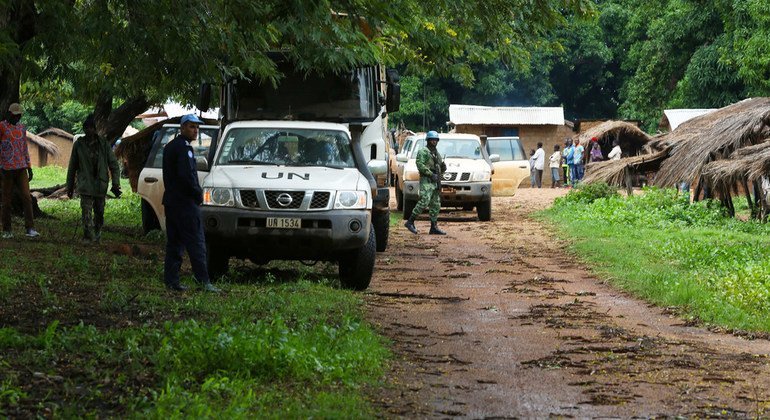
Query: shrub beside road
{"points": [[671, 252]]}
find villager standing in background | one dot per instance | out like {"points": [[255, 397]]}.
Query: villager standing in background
{"points": [[539, 164], [16, 170], [615, 153], [532, 178], [569, 155], [431, 168], [596, 151], [577, 160], [182, 199], [554, 162], [567, 162], [91, 165]]}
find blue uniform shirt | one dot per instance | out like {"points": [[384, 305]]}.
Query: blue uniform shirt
{"points": [[180, 175]]}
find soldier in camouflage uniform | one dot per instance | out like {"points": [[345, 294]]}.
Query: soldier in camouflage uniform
{"points": [[431, 168], [91, 165]]}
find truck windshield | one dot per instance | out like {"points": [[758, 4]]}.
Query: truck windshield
{"points": [[342, 97], [453, 148], [295, 147]]}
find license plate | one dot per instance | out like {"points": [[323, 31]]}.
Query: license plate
{"points": [[284, 223], [448, 190]]}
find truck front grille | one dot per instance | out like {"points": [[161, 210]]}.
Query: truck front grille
{"points": [[465, 176], [320, 200], [449, 176], [278, 199], [249, 199]]}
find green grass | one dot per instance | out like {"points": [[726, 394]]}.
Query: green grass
{"points": [[673, 253], [86, 331]]}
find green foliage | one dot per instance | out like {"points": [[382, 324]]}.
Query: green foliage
{"points": [[102, 328], [675, 253], [588, 193]]}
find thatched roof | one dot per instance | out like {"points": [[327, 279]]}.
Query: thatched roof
{"points": [[615, 172], [47, 145], [56, 132], [632, 140], [749, 163], [711, 137]]}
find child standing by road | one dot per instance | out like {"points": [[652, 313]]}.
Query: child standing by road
{"points": [[554, 162]]}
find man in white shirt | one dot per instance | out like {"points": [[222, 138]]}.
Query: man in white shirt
{"points": [[539, 159], [615, 152]]}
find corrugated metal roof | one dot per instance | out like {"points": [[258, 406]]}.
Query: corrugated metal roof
{"points": [[504, 115], [677, 116]]}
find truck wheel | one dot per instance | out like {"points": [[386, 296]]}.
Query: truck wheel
{"points": [[149, 219], [217, 261], [356, 266], [408, 207], [381, 225], [399, 198], [484, 210]]}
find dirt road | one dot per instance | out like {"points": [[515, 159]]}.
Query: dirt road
{"points": [[496, 320]]}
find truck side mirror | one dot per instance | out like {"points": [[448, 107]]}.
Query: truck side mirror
{"points": [[401, 157], [494, 158], [204, 97], [378, 167], [393, 98]]}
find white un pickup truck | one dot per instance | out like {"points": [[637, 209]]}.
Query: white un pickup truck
{"points": [[291, 190]]}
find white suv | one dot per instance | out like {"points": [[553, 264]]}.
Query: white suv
{"points": [[291, 190], [466, 183]]}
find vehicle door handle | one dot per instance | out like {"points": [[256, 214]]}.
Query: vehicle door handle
{"points": [[522, 167], [150, 179]]}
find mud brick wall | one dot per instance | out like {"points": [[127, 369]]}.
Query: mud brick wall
{"points": [[529, 135], [65, 150]]}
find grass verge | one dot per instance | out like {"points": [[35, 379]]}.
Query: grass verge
{"points": [[89, 331], [673, 253]]}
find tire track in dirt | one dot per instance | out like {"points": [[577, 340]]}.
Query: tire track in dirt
{"points": [[495, 320]]}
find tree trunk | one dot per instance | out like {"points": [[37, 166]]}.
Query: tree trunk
{"points": [[111, 123]]}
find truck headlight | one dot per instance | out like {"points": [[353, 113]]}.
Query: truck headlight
{"points": [[350, 200], [218, 197], [481, 176]]}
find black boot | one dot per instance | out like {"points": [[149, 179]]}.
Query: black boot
{"points": [[434, 230], [410, 225]]}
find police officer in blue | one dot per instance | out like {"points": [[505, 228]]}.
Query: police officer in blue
{"points": [[181, 199]]}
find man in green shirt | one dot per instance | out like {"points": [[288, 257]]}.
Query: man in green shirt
{"points": [[92, 163], [431, 167]]}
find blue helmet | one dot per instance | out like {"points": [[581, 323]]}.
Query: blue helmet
{"points": [[432, 135]]}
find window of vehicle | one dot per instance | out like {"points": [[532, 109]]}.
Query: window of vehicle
{"points": [[166, 134], [454, 148], [295, 147], [508, 148]]}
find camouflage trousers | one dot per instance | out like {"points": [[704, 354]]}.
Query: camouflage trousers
{"points": [[430, 198], [92, 215]]}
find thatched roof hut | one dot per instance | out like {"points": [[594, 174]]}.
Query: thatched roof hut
{"points": [[622, 172], [41, 151], [711, 137], [632, 140], [747, 164]]}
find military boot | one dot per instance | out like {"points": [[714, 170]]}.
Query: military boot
{"points": [[410, 225], [434, 230], [88, 235], [97, 235]]}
